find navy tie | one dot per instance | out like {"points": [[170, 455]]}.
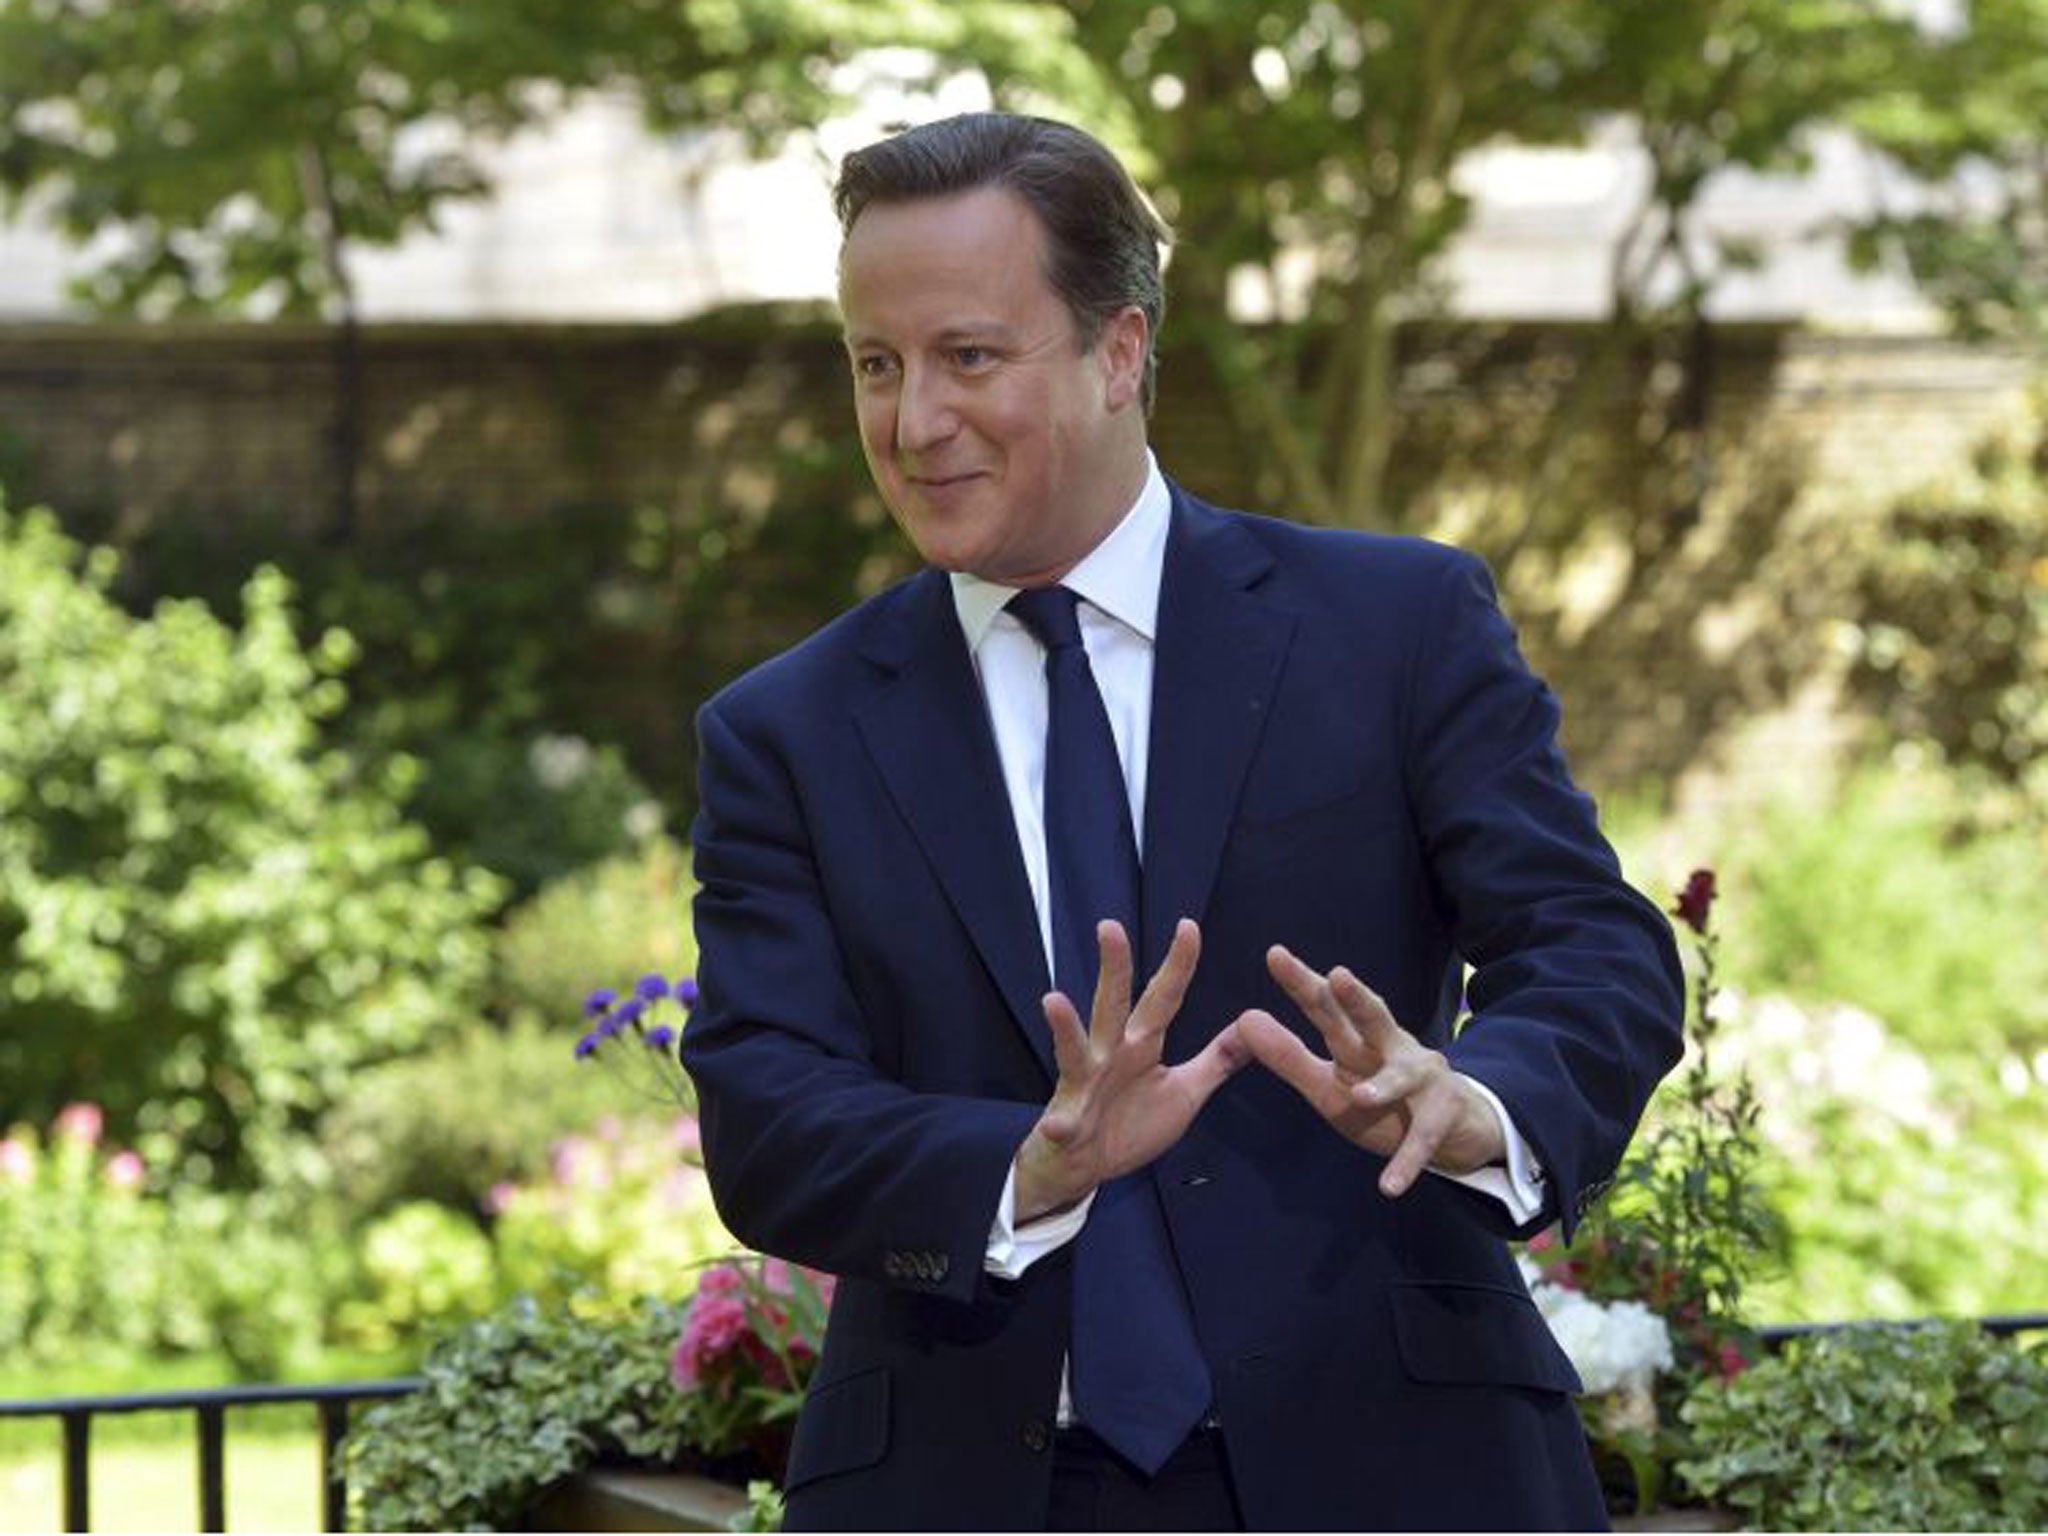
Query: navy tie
{"points": [[1136, 1369]]}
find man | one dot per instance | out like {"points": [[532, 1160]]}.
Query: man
{"points": [[1229, 1254]]}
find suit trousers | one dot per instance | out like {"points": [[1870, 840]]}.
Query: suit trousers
{"points": [[1094, 1489]]}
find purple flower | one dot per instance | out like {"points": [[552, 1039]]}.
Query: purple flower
{"points": [[686, 991], [598, 1001], [588, 1043], [660, 1037], [626, 1013], [650, 988]]}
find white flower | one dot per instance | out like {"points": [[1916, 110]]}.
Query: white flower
{"points": [[1615, 1344]]}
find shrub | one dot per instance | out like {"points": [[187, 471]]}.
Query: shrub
{"points": [[81, 1248], [530, 806], [1949, 605], [1889, 899], [510, 1404], [392, 1138], [206, 918], [1911, 1183], [623, 1212], [422, 1267], [102, 1261], [625, 917], [1931, 1428], [535, 1392]]}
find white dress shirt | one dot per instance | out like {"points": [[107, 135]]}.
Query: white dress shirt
{"points": [[1118, 584]]}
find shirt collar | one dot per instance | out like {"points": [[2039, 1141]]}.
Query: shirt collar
{"points": [[1120, 576]]}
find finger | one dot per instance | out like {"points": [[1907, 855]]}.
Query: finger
{"points": [[1395, 1081], [1216, 1063], [1069, 1041], [1169, 984], [1311, 993], [1367, 1012], [1059, 1126], [1112, 986], [1283, 1053], [1418, 1149]]}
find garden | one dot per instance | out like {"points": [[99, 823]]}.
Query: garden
{"points": [[344, 881], [381, 1121]]}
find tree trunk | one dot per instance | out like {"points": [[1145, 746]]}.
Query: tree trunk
{"points": [[345, 433]]}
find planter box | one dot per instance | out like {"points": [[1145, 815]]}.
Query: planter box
{"points": [[1692, 1520], [622, 1499]]}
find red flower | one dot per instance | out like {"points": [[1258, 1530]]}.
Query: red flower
{"points": [[1696, 901], [1732, 1363]]}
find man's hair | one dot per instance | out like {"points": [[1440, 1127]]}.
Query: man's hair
{"points": [[1102, 240]]}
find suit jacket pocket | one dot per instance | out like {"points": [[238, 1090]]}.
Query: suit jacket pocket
{"points": [[844, 1426], [1459, 1334]]}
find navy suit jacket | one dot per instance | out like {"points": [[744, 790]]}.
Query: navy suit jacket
{"points": [[1348, 756]]}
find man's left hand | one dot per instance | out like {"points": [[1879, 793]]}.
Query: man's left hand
{"points": [[1379, 1087]]}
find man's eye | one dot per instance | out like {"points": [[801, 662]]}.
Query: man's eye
{"points": [[872, 365], [972, 357]]}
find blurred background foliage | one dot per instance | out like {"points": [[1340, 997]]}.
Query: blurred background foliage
{"points": [[312, 836]]}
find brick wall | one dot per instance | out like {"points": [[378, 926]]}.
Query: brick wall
{"points": [[125, 428]]}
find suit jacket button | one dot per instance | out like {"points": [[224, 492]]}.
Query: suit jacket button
{"points": [[1037, 1435], [892, 1265], [939, 1265]]}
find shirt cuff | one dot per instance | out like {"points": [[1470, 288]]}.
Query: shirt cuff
{"points": [[1519, 1186], [1012, 1249]]}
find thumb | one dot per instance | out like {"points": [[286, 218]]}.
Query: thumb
{"points": [[1283, 1053]]}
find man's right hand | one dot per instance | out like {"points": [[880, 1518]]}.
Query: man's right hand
{"points": [[1117, 1106]]}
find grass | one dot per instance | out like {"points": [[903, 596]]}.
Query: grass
{"points": [[273, 1482], [145, 1466]]}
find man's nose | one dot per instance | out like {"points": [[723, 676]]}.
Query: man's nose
{"points": [[925, 414]]}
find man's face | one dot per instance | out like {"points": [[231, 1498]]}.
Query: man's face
{"points": [[999, 445]]}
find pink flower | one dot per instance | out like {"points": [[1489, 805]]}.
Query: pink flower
{"points": [[717, 1323], [125, 1170], [17, 1161], [81, 1122], [1731, 1362], [498, 1198], [575, 1164], [687, 1136], [722, 1280], [682, 1365]]}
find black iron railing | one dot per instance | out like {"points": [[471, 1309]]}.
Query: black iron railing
{"points": [[1776, 1336], [332, 1401], [210, 1410]]}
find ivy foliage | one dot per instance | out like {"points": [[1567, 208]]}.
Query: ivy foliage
{"points": [[209, 922], [1932, 1428], [513, 1403]]}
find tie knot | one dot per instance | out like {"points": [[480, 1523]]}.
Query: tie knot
{"points": [[1050, 614]]}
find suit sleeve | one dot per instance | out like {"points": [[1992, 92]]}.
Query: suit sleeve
{"points": [[813, 1153], [1577, 996]]}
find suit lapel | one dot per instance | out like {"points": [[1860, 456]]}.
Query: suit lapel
{"points": [[927, 729], [1216, 663]]}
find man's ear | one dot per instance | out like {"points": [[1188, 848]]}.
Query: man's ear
{"points": [[1125, 343]]}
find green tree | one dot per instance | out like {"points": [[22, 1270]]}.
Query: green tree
{"points": [[1306, 152], [230, 152], [208, 923], [1302, 131], [1967, 126]]}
